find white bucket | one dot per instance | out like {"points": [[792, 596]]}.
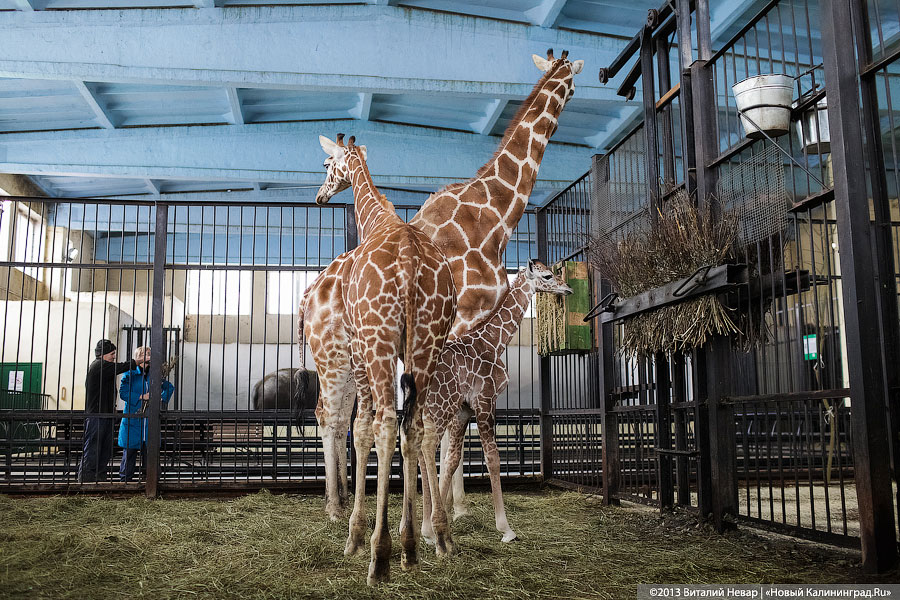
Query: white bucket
{"points": [[766, 99], [815, 139]]}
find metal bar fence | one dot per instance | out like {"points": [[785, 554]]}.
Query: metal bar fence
{"points": [[80, 270]]}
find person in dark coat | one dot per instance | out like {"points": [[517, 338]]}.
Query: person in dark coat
{"points": [[135, 391], [100, 399]]}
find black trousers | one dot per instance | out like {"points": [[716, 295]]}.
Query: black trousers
{"points": [[98, 448]]}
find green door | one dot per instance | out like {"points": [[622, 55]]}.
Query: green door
{"points": [[20, 390]]}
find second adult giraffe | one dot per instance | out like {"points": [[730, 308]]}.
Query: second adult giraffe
{"points": [[472, 221], [398, 299]]}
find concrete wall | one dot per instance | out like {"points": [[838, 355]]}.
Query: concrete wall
{"points": [[61, 336], [221, 376]]}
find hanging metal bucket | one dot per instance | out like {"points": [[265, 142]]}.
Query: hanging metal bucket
{"points": [[815, 137], [766, 100]]}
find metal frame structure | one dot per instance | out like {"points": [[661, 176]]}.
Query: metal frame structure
{"points": [[770, 436]]}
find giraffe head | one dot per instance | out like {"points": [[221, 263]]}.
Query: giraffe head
{"points": [[543, 279], [560, 69], [337, 171]]}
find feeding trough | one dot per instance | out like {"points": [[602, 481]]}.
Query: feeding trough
{"points": [[812, 129], [764, 102]]}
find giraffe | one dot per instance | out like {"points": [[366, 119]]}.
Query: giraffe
{"points": [[468, 379], [472, 221], [398, 299]]}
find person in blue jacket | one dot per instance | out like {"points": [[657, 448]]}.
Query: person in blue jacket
{"points": [[135, 391]]}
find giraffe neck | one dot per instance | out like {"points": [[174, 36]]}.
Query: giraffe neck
{"points": [[519, 156], [373, 211], [500, 327]]}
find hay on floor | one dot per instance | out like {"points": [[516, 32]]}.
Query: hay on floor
{"points": [[267, 546]]}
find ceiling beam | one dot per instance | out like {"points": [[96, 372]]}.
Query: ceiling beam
{"points": [[495, 109], [234, 101], [91, 98], [280, 153], [363, 110], [292, 47], [152, 186], [545, 13]]}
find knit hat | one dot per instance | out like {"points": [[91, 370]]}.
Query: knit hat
{"points": [[103, 347]]}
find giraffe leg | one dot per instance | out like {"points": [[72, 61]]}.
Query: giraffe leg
{"points": [[411, 448], [440, 528], [427, 528], [363, 438], [334, 443], [341, 444], [385, 428], [456, 434], [485, 419]]}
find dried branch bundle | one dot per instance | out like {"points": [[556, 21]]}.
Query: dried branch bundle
{"points": [[685, 239]]}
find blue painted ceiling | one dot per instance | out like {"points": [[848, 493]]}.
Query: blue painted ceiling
{"points": [[214, 95]]}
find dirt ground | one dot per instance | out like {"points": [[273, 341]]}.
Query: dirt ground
{"points": [[282, 546]]}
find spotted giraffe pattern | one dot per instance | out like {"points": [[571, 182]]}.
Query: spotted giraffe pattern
{"points": [[397, 299], [468, 379], [472, 221]]}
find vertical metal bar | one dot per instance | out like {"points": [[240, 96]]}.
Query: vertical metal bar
{"points": [[886, 269], [862, 327], [665, 83], [609, 427], [663, 429], [651, 151], [704, 39], [544, 366], [157, 344], [686, 96]]}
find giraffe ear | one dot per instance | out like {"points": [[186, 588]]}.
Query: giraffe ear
{"points": [[541, 63], [529, 270], [362, 150], [327, 145], [577, 66]]}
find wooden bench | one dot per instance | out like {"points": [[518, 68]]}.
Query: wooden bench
{"points": [[237, 438]]}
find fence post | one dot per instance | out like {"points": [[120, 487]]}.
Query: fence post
{"points": [[883, 236], [862, 327], [544, 365], [712, 363], [158, 350], [609, 426]]}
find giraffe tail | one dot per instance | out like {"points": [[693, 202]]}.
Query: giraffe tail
{"points": [[301, 334], [407, 381]]}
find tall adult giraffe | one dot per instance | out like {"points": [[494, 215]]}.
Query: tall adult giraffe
{"points": [[398, 299], [471, 222]]}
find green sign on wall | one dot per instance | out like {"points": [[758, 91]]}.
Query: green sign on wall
{"points": [[20, 389]]}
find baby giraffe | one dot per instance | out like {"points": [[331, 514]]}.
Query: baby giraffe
{"points": [[397, 298], [468, 380]]}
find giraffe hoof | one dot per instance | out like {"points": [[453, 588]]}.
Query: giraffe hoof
{"points": [[460, 513], [509, 536], [353, 547], [379, 572], [445, 546], [429, 539], [409, 563]]}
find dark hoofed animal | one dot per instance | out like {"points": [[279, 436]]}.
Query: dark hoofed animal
{"points": [[291, 389]]}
